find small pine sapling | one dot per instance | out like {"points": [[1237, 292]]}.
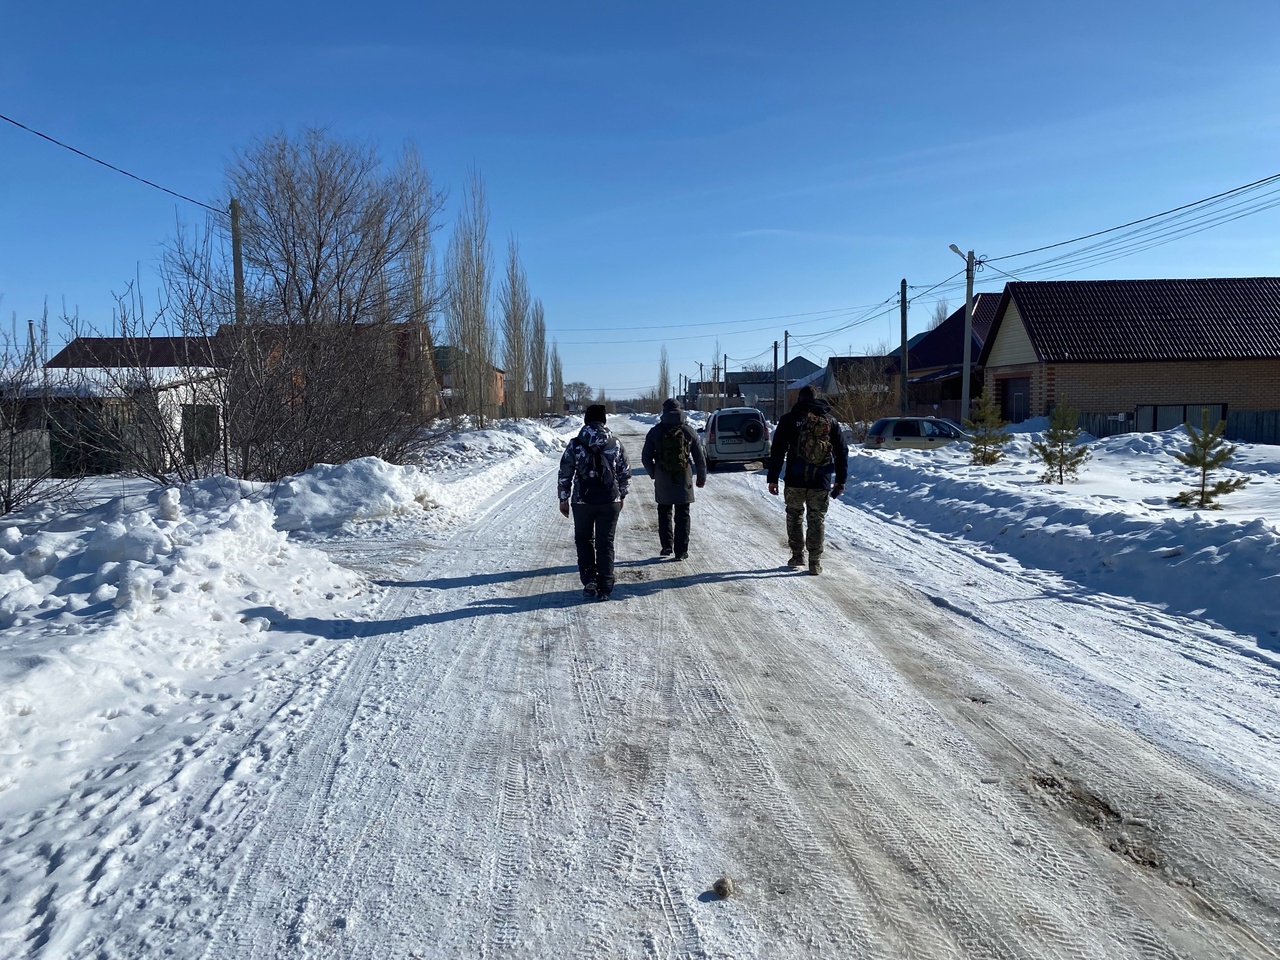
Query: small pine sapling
{"points": [[1208, 452], [1061, 451], [988, 433]]}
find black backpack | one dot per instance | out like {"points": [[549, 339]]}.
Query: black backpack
{"points": [[673, 450], [597, 480]]}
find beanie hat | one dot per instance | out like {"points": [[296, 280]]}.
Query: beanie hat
{"points": [[806, 393], [595, 413], [671, 406]]}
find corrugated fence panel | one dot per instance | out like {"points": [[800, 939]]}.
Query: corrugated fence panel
{"points": [[1243, 426], [1253, 426]]}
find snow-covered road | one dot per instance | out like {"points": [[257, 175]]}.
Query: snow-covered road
{"points": [[926, 752]]}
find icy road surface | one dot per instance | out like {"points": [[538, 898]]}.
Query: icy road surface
{"points": [[924, 753]]}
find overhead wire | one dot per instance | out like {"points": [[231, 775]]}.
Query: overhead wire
{"points": [[111, 166], [1155, 216]]}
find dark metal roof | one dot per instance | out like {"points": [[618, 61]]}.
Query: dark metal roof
{"points": [[944, 345], [1104, 321], [141, 352]]}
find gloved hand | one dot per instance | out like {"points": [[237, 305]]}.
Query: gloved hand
{"points": [[836, 491], [701, 482], [564, 507]]}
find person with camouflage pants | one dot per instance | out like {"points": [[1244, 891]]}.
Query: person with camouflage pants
{"points": [[816, 459]]}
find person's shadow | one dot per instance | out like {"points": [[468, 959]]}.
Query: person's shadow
{"points": [[340, 629]]}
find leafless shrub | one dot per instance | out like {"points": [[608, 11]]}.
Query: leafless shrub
{"points": [[864, 392], [34, 433]]}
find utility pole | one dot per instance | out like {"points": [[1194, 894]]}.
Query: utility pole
{"points": [[725, 378], [968, 329], [701, 381], [902, 299], [775, 381], [237, 260]]}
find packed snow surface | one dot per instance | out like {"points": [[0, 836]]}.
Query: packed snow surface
{"points": [[364, 712]]}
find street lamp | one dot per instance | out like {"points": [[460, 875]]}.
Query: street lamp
{"points": [[968, 328]]}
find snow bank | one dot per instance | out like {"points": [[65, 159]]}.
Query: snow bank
{"points": [[1114, 530], [146, 605], [115, 622]]}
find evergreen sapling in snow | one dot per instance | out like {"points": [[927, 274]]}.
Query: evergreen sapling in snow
{"points": [[988, 433], [1061, 451], [1208, 452]]}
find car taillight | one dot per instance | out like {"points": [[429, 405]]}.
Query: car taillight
{"points": [[766, 431], [879, 440], [711, 437]]}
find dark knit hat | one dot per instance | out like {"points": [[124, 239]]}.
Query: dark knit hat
{"points": [[595, 413], [806, 393], [671, 406]]}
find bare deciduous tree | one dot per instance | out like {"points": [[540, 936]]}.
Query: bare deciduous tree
{"points": [[513, 301], [537, 359], [467, 325], [941, 310], [664, 375], [558, 399], [334, 359], [578, 393]]}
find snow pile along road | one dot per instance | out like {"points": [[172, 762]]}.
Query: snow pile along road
{"points": [[116, 623], [1114, 530]]}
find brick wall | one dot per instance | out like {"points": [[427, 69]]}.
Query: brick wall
{"points": [[1120, 387]]}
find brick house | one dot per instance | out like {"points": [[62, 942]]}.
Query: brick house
{"points": [[1140, 354]]}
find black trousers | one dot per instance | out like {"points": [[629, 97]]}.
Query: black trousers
{"points": [[681, 539], [594, 526]]}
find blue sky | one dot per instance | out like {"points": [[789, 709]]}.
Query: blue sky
{"points": [[696, 175]]}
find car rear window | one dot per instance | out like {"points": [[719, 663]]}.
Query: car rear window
{"points": [[877, 428], [734, 422]]}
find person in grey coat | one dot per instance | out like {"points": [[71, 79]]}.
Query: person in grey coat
{"points": [[673, 484]]}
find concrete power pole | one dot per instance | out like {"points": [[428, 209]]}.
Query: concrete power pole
{"points": [[902, 299], [968, 329]]}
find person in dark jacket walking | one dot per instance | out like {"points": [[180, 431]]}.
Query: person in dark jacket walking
{"points": [[671, 456], [593, 481], [817, 466]]}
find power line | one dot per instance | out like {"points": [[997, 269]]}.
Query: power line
{"points": [[1132, 223], [109, 166], [821, 314]]}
